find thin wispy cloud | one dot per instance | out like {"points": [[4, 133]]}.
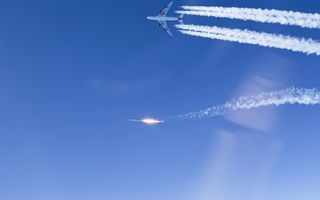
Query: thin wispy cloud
{"points": [[304, 20], [290, 95], [307, 46]]}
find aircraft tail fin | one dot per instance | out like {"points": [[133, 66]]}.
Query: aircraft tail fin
{"points": [[181, 19]]}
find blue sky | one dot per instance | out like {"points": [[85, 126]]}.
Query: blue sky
{"points": [[72, 74]]}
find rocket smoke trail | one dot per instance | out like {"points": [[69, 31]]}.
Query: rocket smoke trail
{"points": [[290, 95], [307, 46], [304, 20]]}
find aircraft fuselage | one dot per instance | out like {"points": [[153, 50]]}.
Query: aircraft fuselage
{"points": [[163, 18]]}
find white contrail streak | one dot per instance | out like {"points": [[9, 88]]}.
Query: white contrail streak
{"points": [[307, 46], [290, 95], [305, 20]]}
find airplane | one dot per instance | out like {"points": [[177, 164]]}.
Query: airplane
{"points": [[162, 18], [149, 121]]}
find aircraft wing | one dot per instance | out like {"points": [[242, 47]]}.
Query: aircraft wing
{"points": [[164, 12], [165, 27]]}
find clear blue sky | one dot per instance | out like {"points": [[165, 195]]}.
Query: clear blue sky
{"points": [[72, 74]]}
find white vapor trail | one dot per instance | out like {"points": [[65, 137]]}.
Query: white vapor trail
{"points": [[290, 95], [305, 20], [307, 46]]}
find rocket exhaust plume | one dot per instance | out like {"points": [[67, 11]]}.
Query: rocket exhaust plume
{"points": [[304, 20], [148, 121], [307, 46], [290, 95]]}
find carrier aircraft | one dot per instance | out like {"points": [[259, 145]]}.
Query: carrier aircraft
{"points": [[162, 18]]}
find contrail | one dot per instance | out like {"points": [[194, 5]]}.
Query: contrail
{"points": [[307, 46], [290, 95], [305, 20]]}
